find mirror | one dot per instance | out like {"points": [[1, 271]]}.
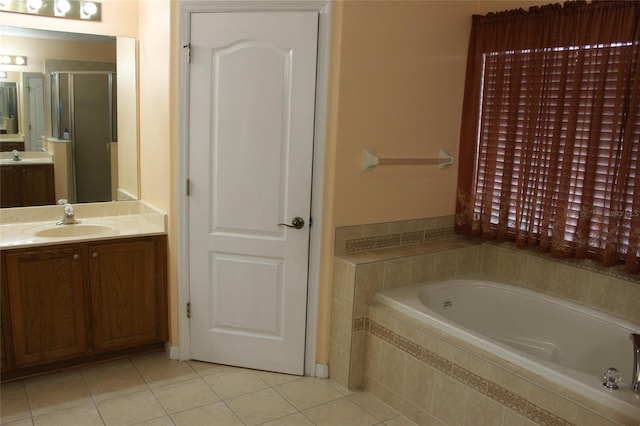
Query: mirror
{"points": [[8, 108], [75, 90]]}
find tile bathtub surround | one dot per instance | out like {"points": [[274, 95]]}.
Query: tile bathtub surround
{"points": [[583, 282], [353, 239], [150, 389], [434, 378], [357, 277]]}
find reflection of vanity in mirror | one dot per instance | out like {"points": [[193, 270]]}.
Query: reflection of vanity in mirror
{"points": [[71, 113]]}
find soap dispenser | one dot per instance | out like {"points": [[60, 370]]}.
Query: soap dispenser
{"points": [[65, 134]]}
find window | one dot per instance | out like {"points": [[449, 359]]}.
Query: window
{"points": [[551, 132]]}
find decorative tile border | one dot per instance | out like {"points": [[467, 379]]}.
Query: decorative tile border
{"points": [[480, 384], [470, 379], [506, 398], [382, 241]]}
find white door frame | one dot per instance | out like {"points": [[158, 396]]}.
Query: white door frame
{"points": [[323, 8]]}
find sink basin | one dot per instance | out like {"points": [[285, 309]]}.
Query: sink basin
{"points": [[77, 230]]}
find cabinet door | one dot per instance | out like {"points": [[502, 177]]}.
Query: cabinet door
{"points": [[8, 186], [47, 304], [124, 294], [30, 185], [38, 187]]}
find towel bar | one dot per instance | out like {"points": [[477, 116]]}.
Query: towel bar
{"points": [[370, 160]]}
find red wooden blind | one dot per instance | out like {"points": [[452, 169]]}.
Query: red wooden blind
{"points": [[555, 135]]}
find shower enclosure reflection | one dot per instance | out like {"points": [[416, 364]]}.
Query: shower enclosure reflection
{"points": [[83, 113], [8, 108]]}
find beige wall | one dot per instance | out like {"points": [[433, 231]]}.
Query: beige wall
{"points": [[401, 79], [157, 123], [397, 77], [126, 156], [55, 49], [397, 80]]}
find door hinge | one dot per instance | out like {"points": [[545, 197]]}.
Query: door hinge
{"points": [[188, 187], [188, 49], [188, 309]]}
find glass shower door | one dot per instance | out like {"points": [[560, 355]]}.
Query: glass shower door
{"points": [[91, 136]]}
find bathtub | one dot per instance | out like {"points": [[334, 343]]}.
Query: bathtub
{"points": [[561, 341]]}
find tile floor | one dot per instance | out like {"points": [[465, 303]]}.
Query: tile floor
{"points": [[152, 390]]}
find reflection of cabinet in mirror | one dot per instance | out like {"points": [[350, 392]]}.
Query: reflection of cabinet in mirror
{"points": [[26, 185]]}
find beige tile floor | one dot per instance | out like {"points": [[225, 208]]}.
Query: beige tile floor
{"points": [[152, 390]]}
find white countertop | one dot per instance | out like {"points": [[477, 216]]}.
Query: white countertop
{"points": [[26, 158], [18, 226], [11, 138]]}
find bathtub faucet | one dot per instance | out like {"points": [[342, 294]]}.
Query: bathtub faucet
{"points": [[635, 380]]}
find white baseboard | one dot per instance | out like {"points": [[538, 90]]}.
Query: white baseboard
{"points": [[322, 371], [172, 351]]}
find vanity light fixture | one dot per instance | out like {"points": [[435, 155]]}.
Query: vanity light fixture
{"points": [[13, 59], [85, 10]]}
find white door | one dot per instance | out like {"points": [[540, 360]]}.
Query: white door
{"points": [[252, 96], [35, 112]]}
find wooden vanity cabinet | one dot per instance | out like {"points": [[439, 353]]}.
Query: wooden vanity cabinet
{"points": [[75, 303], [27, 185], [46, 291], [128, 306], [6, 146]]}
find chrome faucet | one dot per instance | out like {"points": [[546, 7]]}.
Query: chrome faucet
{"points": [[635, 380], [68, 218]]}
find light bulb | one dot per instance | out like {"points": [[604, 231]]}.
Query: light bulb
{"points": [[34, 5], [89, 9], [63, 6]]}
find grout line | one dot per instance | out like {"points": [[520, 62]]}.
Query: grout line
{"points": [[538, 416], [340, 394]]}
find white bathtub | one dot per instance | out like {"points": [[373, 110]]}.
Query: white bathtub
{"points": [[563, 342]]}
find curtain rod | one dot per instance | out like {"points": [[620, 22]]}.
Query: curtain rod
{"points": [[370, 160]]}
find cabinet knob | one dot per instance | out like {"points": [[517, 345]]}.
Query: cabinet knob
{"points": [[94, 254], [76, 256]]}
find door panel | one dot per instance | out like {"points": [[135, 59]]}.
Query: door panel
{"points": [[91, 136], [252, 99], [246, 153], [46, 290], [235, 278]]}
